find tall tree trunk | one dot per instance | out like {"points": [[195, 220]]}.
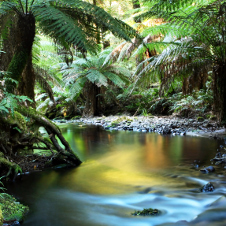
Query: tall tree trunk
{"points": [[98, 39], [22, 59], [196, 81], [219, 90]]}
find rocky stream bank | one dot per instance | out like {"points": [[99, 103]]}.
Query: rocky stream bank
{"points": [[162, 125]]}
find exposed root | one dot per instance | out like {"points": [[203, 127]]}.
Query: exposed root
{"points": [[27, 137]]}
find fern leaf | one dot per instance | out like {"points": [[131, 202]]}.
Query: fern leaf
{"points": [[96, 77]]}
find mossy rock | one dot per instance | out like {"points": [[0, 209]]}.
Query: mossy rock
{"points": [[11, 208], [147, 212], [213, 117], [76, 117], [200, 119]]}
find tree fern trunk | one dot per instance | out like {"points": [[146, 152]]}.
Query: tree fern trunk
{"points": [[27, 82], [24, 38], [219, 88], [92, 106]]}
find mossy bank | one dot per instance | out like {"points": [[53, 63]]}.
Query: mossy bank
{"points": [[11, 210]]}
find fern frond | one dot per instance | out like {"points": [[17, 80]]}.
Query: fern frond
{"points": [[119, 70], [43, 105], [48, 75], [77, 88], [45, 85], [115, 79], [164, 9], [59, 25], [96, 77], [41, 96]]}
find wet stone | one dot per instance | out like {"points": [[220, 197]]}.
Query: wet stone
{"points": [[147, 212], [208, 169], [207, 188], [218, 163]]}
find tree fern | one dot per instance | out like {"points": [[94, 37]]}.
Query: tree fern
{"points": [[166, 8], [94, 69]]}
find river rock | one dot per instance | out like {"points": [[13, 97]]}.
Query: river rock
{"points": [[208, 169], [207, 188], [166, 130]]}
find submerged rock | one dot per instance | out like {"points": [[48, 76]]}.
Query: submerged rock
{"points": [[208, 169], [208, 188], [147, 212]]}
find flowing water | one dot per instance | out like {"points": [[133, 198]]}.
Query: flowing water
{"points": [[122, 172]]}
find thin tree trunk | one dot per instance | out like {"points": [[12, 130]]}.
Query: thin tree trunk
{"points": [[219, 89]]}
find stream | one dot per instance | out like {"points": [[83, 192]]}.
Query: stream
{"points": [[122, 172]]}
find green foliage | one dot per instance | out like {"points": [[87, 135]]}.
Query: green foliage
{"points": [[10, 101], [138, 101], [11, 208], [78, 18], [1, 186], [167, 8], [94, 69], [202, 45], [200, 101], [13, 168]]}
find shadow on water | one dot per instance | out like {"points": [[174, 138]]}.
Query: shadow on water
{"points": [[123, 172]]}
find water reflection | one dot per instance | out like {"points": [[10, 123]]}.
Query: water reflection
{"points": [[151, 150], [123, 172]]}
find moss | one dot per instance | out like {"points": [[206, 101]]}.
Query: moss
{"points": [[200, 119], [119, 120], [1, 216], [76, 117], [147, 212], [15, 69], [11, 208], [11, 166], [19, 120]]}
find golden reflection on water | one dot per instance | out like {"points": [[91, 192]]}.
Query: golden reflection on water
{"points": [[94, 177], [116, 172], [119, 162], [155, 152]]}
